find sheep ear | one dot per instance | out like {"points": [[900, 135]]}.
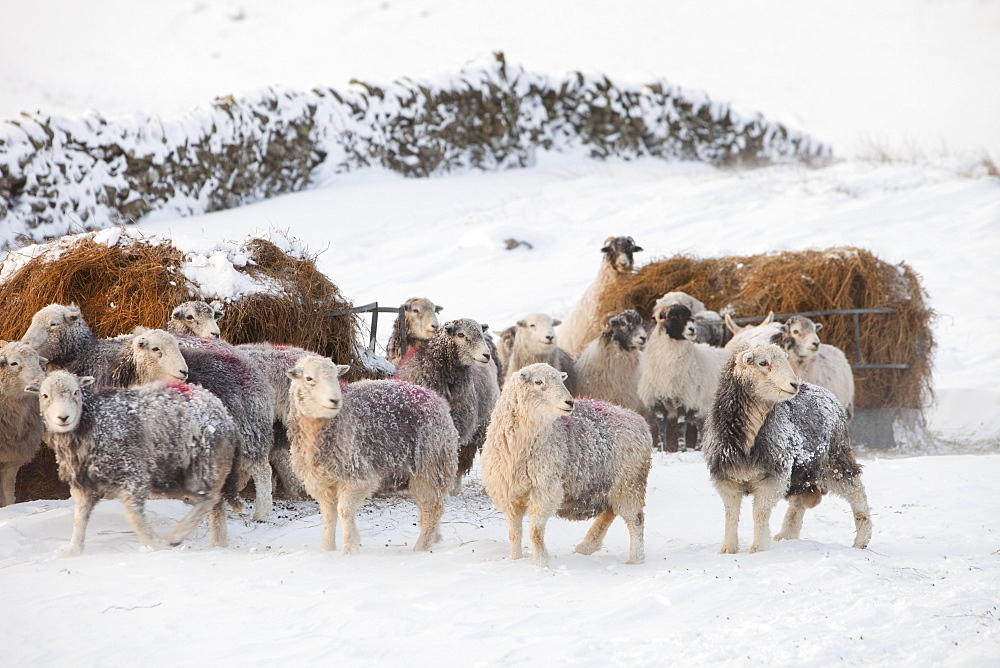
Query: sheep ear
{"points": [[3, 343], [86, 381], [746, 358], [564, 375], [33, 388], [450, 329], [407, 308], [636, 249], [177, 315], [819, 326], [525, 375], [42, 361], [218, 315], [3, 362], [342, 369], [485, 327], [522, 323], [768, 319], [556, 322], [140, 330], [730, 325], [438, 309], [294, 373]]}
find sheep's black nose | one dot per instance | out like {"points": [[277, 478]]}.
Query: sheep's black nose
{"points": [[570, 403], [216, 335], [795, 386]]}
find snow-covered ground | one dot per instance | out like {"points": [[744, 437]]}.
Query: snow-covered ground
{"points": [[900, 73]]}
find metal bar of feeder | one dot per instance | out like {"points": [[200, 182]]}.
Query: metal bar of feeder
{"points": [[401, 319]]}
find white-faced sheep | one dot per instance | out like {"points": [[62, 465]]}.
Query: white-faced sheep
{"points": [[709, 325], [608, 368], [20, 423], [774, 437], [447, 364], [373, 435], [585, 321], [197, 319], [547, 454], [533, 341], [678, 377], [171, 439], [60, 334], [420, 316], [818, 363]]}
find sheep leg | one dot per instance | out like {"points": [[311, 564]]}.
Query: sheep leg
{"points": [[791, 527], [667, 427], [350, 500], [190, 522], [431, 510], [636, 531], [261, 474], [731, 499], [281, 463], [854, 492], [328, 509], [515, 528], [691, 431], [135, 513], [540, 508], [83, 505], [218, 530], [598, 530], [8, 477], [764, 501]]}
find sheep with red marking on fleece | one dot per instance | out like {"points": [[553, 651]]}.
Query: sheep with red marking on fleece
{"points": [[373, 436], [420, 316], [170, 439], [20, 422], [585, 321], [678, 377], [549, 454], [608, 368], [774, 437], [532, 341]]}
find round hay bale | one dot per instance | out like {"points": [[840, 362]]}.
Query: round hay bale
{"points": [[120, 281], [804, 281]]}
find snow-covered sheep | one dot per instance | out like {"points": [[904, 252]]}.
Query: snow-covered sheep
{"points": [[678, 377], [547, 454], [371, 436], [195, 318], [447, 364], [421, 322], [608, 368], [171, 439], [585, 321], [60, 334], [709, 325], [534, 341], [774, 437], [20, 423], [818, 363]]}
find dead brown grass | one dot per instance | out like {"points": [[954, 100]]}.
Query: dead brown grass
{"points": [[803, 281]]}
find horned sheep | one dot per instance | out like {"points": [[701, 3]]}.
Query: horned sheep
{"points": [[584, 323], [774, 437], [420, 320], [608, 368], [533, 340], [678, 377], [370, 436], [171, 439], [20, 423], [448, 365], [547, 454]]}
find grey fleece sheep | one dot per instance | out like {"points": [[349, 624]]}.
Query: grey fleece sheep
{"points": [[532, 341], [548, 454], [195, 318], [608, 368], [20, 423], [421, 320], [171, 439], [818, 363], [371, 436], [774, 437], [447, 364]]}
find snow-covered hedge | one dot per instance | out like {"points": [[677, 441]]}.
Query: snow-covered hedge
{"points": [[59, 175]]}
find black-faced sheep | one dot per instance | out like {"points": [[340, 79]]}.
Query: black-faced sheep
{"points": [[60, 334], [421, 323], [447, 364], [20, 423], [547, 454], [818, 363], [585, 322], [608, 368], [709, 326], [678, 377], [171, 439], [533, 341], [773, 437], [195, 319], [374, 435]]}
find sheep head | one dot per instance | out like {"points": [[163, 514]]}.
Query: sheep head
{"points": [[315, 389], [767, 372], [801, 338], [20, 365], [60, 400], [421, 318], [543, 385], [618, 252], [466, 335], [677, 322], [157, 356], [536, 332], [195, 319], [53, 325], [627, 330]]}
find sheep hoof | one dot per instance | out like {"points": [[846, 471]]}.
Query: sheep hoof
{"points": [[587, 548], [759, 548], [729, 549], [71, 552], [861, 546]]}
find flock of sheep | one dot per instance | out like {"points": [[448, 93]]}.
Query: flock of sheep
{"points": [[562, 430]]}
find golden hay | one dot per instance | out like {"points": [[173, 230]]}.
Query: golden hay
{"points": [[803, 281], [135, 283]]}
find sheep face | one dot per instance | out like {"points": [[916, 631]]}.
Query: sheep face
{"points": [[196, 319], [467, 337], [677, 322], [157, 355], [618, 252], [627, 330], [768, 372], [60, 400], [315, 389], [536, 332], [802, 339], [20, 366], [52, 325], [421, 317], [544, 385]]}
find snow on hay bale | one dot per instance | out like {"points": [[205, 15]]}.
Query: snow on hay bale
{"points": [[805, 281], [121, 278]]}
